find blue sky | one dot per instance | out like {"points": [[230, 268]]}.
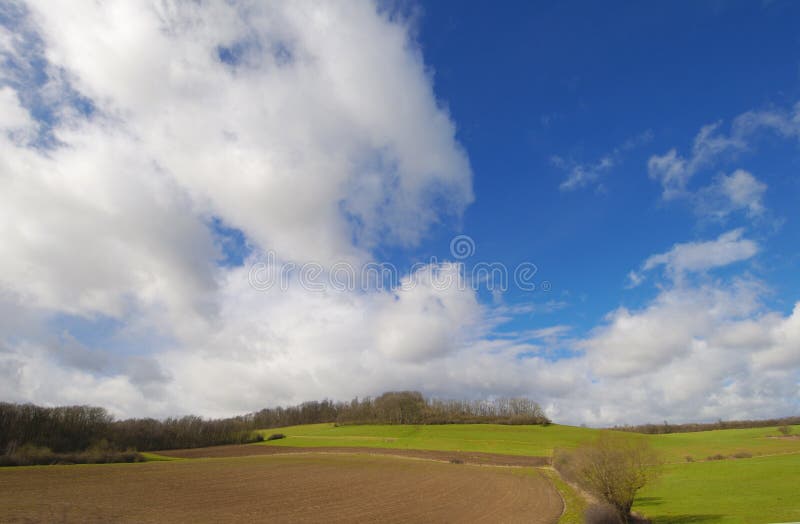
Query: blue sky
{"points": [[532, 80], [159, 162]]}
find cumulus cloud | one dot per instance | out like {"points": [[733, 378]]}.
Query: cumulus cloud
{"points": [[301, 125], [694, 354], [128, 130]]}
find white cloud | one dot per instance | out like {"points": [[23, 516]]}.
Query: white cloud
{"points": [[689, 257], [15, 121], [314, 136], [784, 122], [580, 175], [739, 191], [318, 136], [726, 194], [674, 171], [694, 354]]}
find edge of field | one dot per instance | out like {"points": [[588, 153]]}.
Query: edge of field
{"points": [[574, 503]]}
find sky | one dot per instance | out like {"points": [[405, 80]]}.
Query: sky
{"points": [[215, 207]]}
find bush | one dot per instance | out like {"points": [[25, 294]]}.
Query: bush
{"points": [[29, 455], [785, 430], [456, 461], [276, 436], [612, 468], [601, 514], [742, 455], [718, 456], [689, 458]]}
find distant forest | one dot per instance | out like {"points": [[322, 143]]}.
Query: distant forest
{"points": [[32, 434], [666, 427]]}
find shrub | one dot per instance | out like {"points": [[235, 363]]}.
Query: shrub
{"points": [[29, 455], [718, 456], [689, 458], [562, 462], [456, 461], [612, 468], [785, 430], [601, 514], [276, 436], [742, 455]]}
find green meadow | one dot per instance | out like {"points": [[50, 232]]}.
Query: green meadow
{"points": [[489, 438], [691, 488], [762, 489], [529, 440]]}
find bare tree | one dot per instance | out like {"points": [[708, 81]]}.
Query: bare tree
{"points": [[612, 467]]}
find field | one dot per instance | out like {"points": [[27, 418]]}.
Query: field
{"points": [[487, 438], [765, 489], [281, 488], [411, 473], [530, 440], [759, 489]]}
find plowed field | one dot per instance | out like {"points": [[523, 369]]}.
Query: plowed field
{"points": [[280, 488]]}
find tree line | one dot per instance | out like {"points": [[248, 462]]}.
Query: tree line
{"points": [[666, 427], [405, 407], [39, 434]]}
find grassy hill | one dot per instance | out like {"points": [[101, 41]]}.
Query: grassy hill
{"points": [[530, 440], [489, 438]]}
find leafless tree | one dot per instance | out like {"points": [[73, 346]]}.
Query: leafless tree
{"points": [[612, 467]]}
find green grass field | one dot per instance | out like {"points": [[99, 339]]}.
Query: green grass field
{"points": [[529, 440], [765, 488], [701, 445], [489, 438]]}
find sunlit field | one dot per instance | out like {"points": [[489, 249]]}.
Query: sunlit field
{"points": [[701, 470], [763, 489]]}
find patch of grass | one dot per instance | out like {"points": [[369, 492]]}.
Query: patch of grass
{"points": [[155, 457], [763, 489], [574, 504]]}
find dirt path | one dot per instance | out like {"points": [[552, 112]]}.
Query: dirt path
{"points": [[466, 457], [311, 487]]}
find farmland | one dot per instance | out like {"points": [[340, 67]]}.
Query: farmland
{"points": [[758, 489], [412, 473], [281, 488]]}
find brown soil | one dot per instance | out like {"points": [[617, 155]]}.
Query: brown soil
{"points": [[281, 488], [466, 457]]}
